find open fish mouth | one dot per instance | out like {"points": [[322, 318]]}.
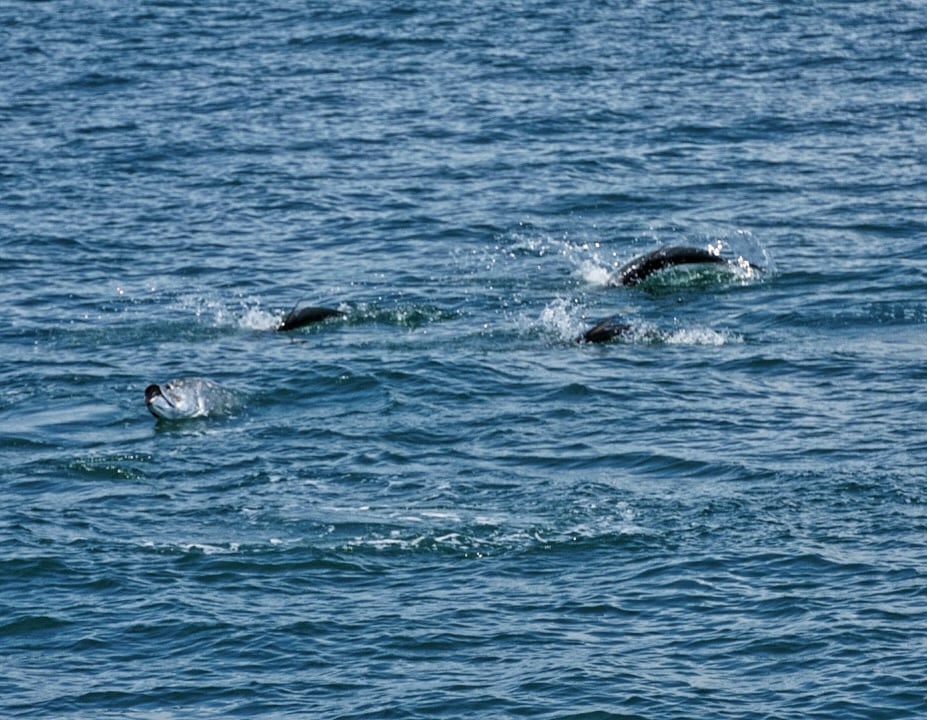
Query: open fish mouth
{"points": [[158, 403], [152, 392]]}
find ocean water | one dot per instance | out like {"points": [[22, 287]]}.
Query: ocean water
{"points": [[442, 506]]}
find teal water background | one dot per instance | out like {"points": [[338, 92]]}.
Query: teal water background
{"points": [[443, 506]]}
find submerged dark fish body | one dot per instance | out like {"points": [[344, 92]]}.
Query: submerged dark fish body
{"points": [[301, 316], [640, 268]]}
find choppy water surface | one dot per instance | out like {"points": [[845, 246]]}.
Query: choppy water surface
{"points": [[442, 505]]}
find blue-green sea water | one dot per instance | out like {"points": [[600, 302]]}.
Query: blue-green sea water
{"points": [[442, 506]]}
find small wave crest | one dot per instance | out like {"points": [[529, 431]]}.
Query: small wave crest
{"points": [[470, 533]]}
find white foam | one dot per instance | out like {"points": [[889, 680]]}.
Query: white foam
{"points": [[593, 273], [698, 336], [209, 549], [562, 318], [255, 318]]}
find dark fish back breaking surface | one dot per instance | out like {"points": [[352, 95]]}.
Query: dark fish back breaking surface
{"points": [[641, 268]]}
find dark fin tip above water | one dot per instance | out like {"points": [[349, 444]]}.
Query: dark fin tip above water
{"points": [[301, 316]]}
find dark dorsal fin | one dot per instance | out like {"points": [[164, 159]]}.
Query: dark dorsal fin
{"points": [[604, 331], [301, 316]]}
